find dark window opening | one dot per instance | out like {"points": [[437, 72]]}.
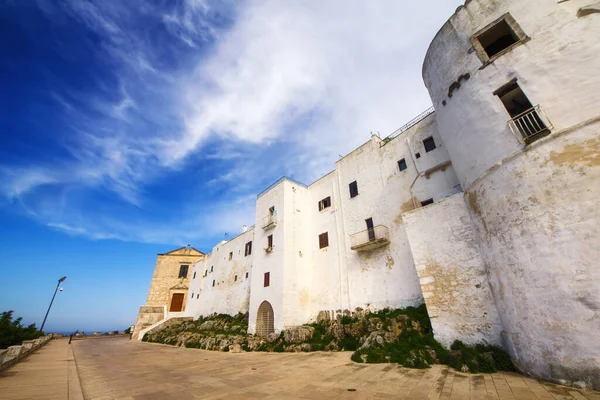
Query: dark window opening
{"points": [[272, 210], [213, 283], [183, 271], [267, 279], [418, 155], [248, 249], [269, 243], [230, 255], [353, 189], [514, 100], [325, 203], [497, 38], [198, 296], [235, 279], [402, 164], [426, 202], [212, 269], [246, 275], [525, 117], [370, 228], [323, 240], [429, 144], [194, 277]]}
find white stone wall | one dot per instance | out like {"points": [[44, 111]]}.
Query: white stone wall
{"points": [[228, 295], [452, 274], [535, 206]]}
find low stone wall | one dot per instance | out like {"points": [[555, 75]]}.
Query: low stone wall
{"points": [[14, 354]]}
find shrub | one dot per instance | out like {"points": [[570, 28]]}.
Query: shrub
{"points": [[13, 333]]}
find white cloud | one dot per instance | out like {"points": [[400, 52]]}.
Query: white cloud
{"points": [[312, 77]]}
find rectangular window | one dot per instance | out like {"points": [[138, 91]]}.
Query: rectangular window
{"points": [[198, 296], [246, 275], [194, 275], [325, 203], [267, 279], [270, 242], [235, 280], [525, 118], [426, 202], [248, 249], [212, 269], [402, 164], [353, 189], [213, 283], [417, 155], [323, 240], [230, 255], [429, 144], [497, 38], [183, 271], [272, 210], [370, 228]]}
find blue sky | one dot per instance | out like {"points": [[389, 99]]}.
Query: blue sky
{"points": [[130, 128]]}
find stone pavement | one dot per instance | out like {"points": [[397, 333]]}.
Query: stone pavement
{"points": [[123, 369], [48, 374]]}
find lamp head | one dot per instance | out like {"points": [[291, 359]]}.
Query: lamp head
{"points": [[62, 279]]}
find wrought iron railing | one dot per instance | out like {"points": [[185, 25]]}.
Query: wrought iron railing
{"points": [[410, 124], [530, 124], [269, 221], [375, 236]]}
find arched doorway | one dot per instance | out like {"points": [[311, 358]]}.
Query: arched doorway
{"points": [[265, 321]]}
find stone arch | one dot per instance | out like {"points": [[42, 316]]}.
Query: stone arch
{"points": [[265, 320]]}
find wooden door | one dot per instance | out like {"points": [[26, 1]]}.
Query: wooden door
{"points": [[177, 302]]}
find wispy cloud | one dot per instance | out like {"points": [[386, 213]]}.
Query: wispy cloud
{"points": [[229, 89]]}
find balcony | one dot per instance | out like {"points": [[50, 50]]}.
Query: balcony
{"points": [[530, 125], [269, 222], [370, 239]]}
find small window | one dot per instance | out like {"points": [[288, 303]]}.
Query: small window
{"points": [[497, 38], [248, 249], [272, 210], [205, 272], [212, 269], [246, 275], [235, 279], [198, 296], [426, 202], [213, 283], [183, 271], [402, 164], [270, 242], [323, 240], [325, 203], [230, 255], [194, 277], [353, 189], [267, 279], [418, 155], [192, 295], [429, 144]]}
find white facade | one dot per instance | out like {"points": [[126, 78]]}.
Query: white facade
{"points": [[508, 252]]}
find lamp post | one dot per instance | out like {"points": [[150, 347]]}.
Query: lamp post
{"points": [[52, 301]]}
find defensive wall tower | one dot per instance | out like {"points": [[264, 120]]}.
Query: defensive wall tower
{"points": [[516, 88]]}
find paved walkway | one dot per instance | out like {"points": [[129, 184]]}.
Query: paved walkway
{"points": [[47, 374], [122, 369]]}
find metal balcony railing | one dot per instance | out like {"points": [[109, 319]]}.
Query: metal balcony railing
{"points": [[530, 125], [269, 222], [370, 239]]}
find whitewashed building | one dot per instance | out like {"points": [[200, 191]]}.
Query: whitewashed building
{"points": [[486, 207]]}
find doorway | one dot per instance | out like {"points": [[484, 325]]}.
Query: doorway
{"points": [[265, 321], [370, 228], [177, 302]]}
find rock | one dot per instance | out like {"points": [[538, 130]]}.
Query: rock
{"points": [[363, 357], [373, 338], [235, 348], [338, 331], [272, 337], [323, 316], [298, 334], [354, 330], [465, 369]]}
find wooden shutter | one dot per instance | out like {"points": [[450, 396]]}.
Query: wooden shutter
{"points": [[267, 279]]}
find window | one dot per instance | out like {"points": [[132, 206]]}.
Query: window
{"points": [[194, 277], [270, 242], [205, 272], [212, 269], [353, 189], [402, 164], [183, 271], [230, 255], [198, 296], [417, 155], [325, 203], [426, 202], [323, 240], [513, 99], [248, 249], [213, 283], [272, 210], [497, 38], [267, 279], [370, 228], [246, 275], [429, 144], [235, 279]]}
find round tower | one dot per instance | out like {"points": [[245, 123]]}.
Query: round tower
{"points": [[516, 88]]}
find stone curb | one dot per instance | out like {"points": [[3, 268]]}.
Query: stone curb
{"points": [[14, 354], [74, 385]]}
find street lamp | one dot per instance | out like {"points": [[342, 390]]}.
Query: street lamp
{"points": [[52, 301]]}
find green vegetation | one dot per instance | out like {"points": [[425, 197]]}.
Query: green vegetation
{"points": [[13, 333]]}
